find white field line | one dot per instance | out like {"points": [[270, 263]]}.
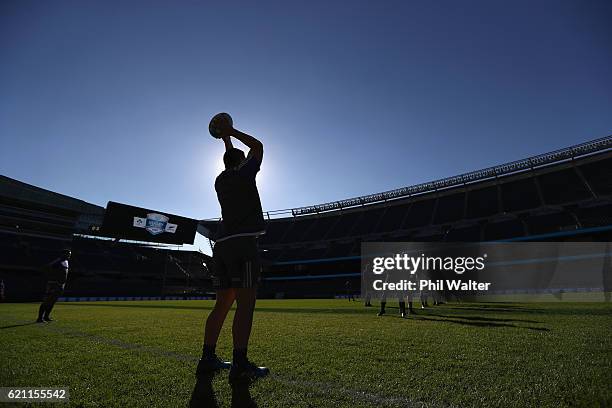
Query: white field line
{"points": [[313, 387]]}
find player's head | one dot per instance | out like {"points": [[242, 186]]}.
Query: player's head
{"points": [[233, 157], [66, 253]]}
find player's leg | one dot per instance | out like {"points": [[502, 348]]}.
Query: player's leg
{"points": [[423, 297], [50, 303], [43, 307], [243, 321], [383, 304], [54, 292], [209, 362], [242, 369], [44, 304], [41, 310], [402, 307], [249, 272], [409, 297], [216, 318]]}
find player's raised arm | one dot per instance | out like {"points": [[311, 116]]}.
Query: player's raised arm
{"points": [[228, 143], [255, 146]]}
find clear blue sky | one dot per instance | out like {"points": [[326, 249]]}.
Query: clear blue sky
{"points": [[110, 100]]}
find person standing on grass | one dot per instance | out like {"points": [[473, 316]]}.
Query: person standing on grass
{"points": [[368, 290], [349, 291], [235, 256], [57, 274]]}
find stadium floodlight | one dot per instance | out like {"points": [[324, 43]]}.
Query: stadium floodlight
{"points": [[568, 153]]}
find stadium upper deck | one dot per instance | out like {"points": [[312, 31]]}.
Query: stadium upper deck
{"points": [[567, 189], [563, 195]]}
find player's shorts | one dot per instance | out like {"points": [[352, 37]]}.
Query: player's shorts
{"points": [[236, 263], [54, 288]]}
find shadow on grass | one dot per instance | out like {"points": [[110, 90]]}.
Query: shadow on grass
{"points": [[17, 325], [483, 319], [571, 309], [502, 309], [203, 395], [491, 323]]}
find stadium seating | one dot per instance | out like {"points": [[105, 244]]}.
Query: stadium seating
{"points": [[520, 195], [420, 214], [483, 202], [471, 233], [393, 218], [343, 225], [450, 208], [564, 195], [368, 222], [564, 186], [558, 201], [598, 174]]}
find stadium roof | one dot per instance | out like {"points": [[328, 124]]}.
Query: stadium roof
{"points": [[568, 153], [17, 190]]}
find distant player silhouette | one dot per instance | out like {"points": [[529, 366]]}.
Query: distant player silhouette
{"points": [[349, 291], [57, 274], [235, 256]]}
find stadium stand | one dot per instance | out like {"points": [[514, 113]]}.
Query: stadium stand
{"points": [[36, 224], [562, 195]]}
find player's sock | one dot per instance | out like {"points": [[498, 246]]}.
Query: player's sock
{"points": [[209, 351], [240, 357]]}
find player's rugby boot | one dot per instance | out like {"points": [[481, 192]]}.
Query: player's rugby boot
{"points": [[246, 372], [211, 365]]}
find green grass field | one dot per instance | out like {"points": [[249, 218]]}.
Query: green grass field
{"points": [[322, 353]]}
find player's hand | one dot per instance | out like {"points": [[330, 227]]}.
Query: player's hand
{"points": [[226, 130]]}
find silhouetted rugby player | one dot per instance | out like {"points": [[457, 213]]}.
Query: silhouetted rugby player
{"points": [[57, 274], [235, 257]]}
